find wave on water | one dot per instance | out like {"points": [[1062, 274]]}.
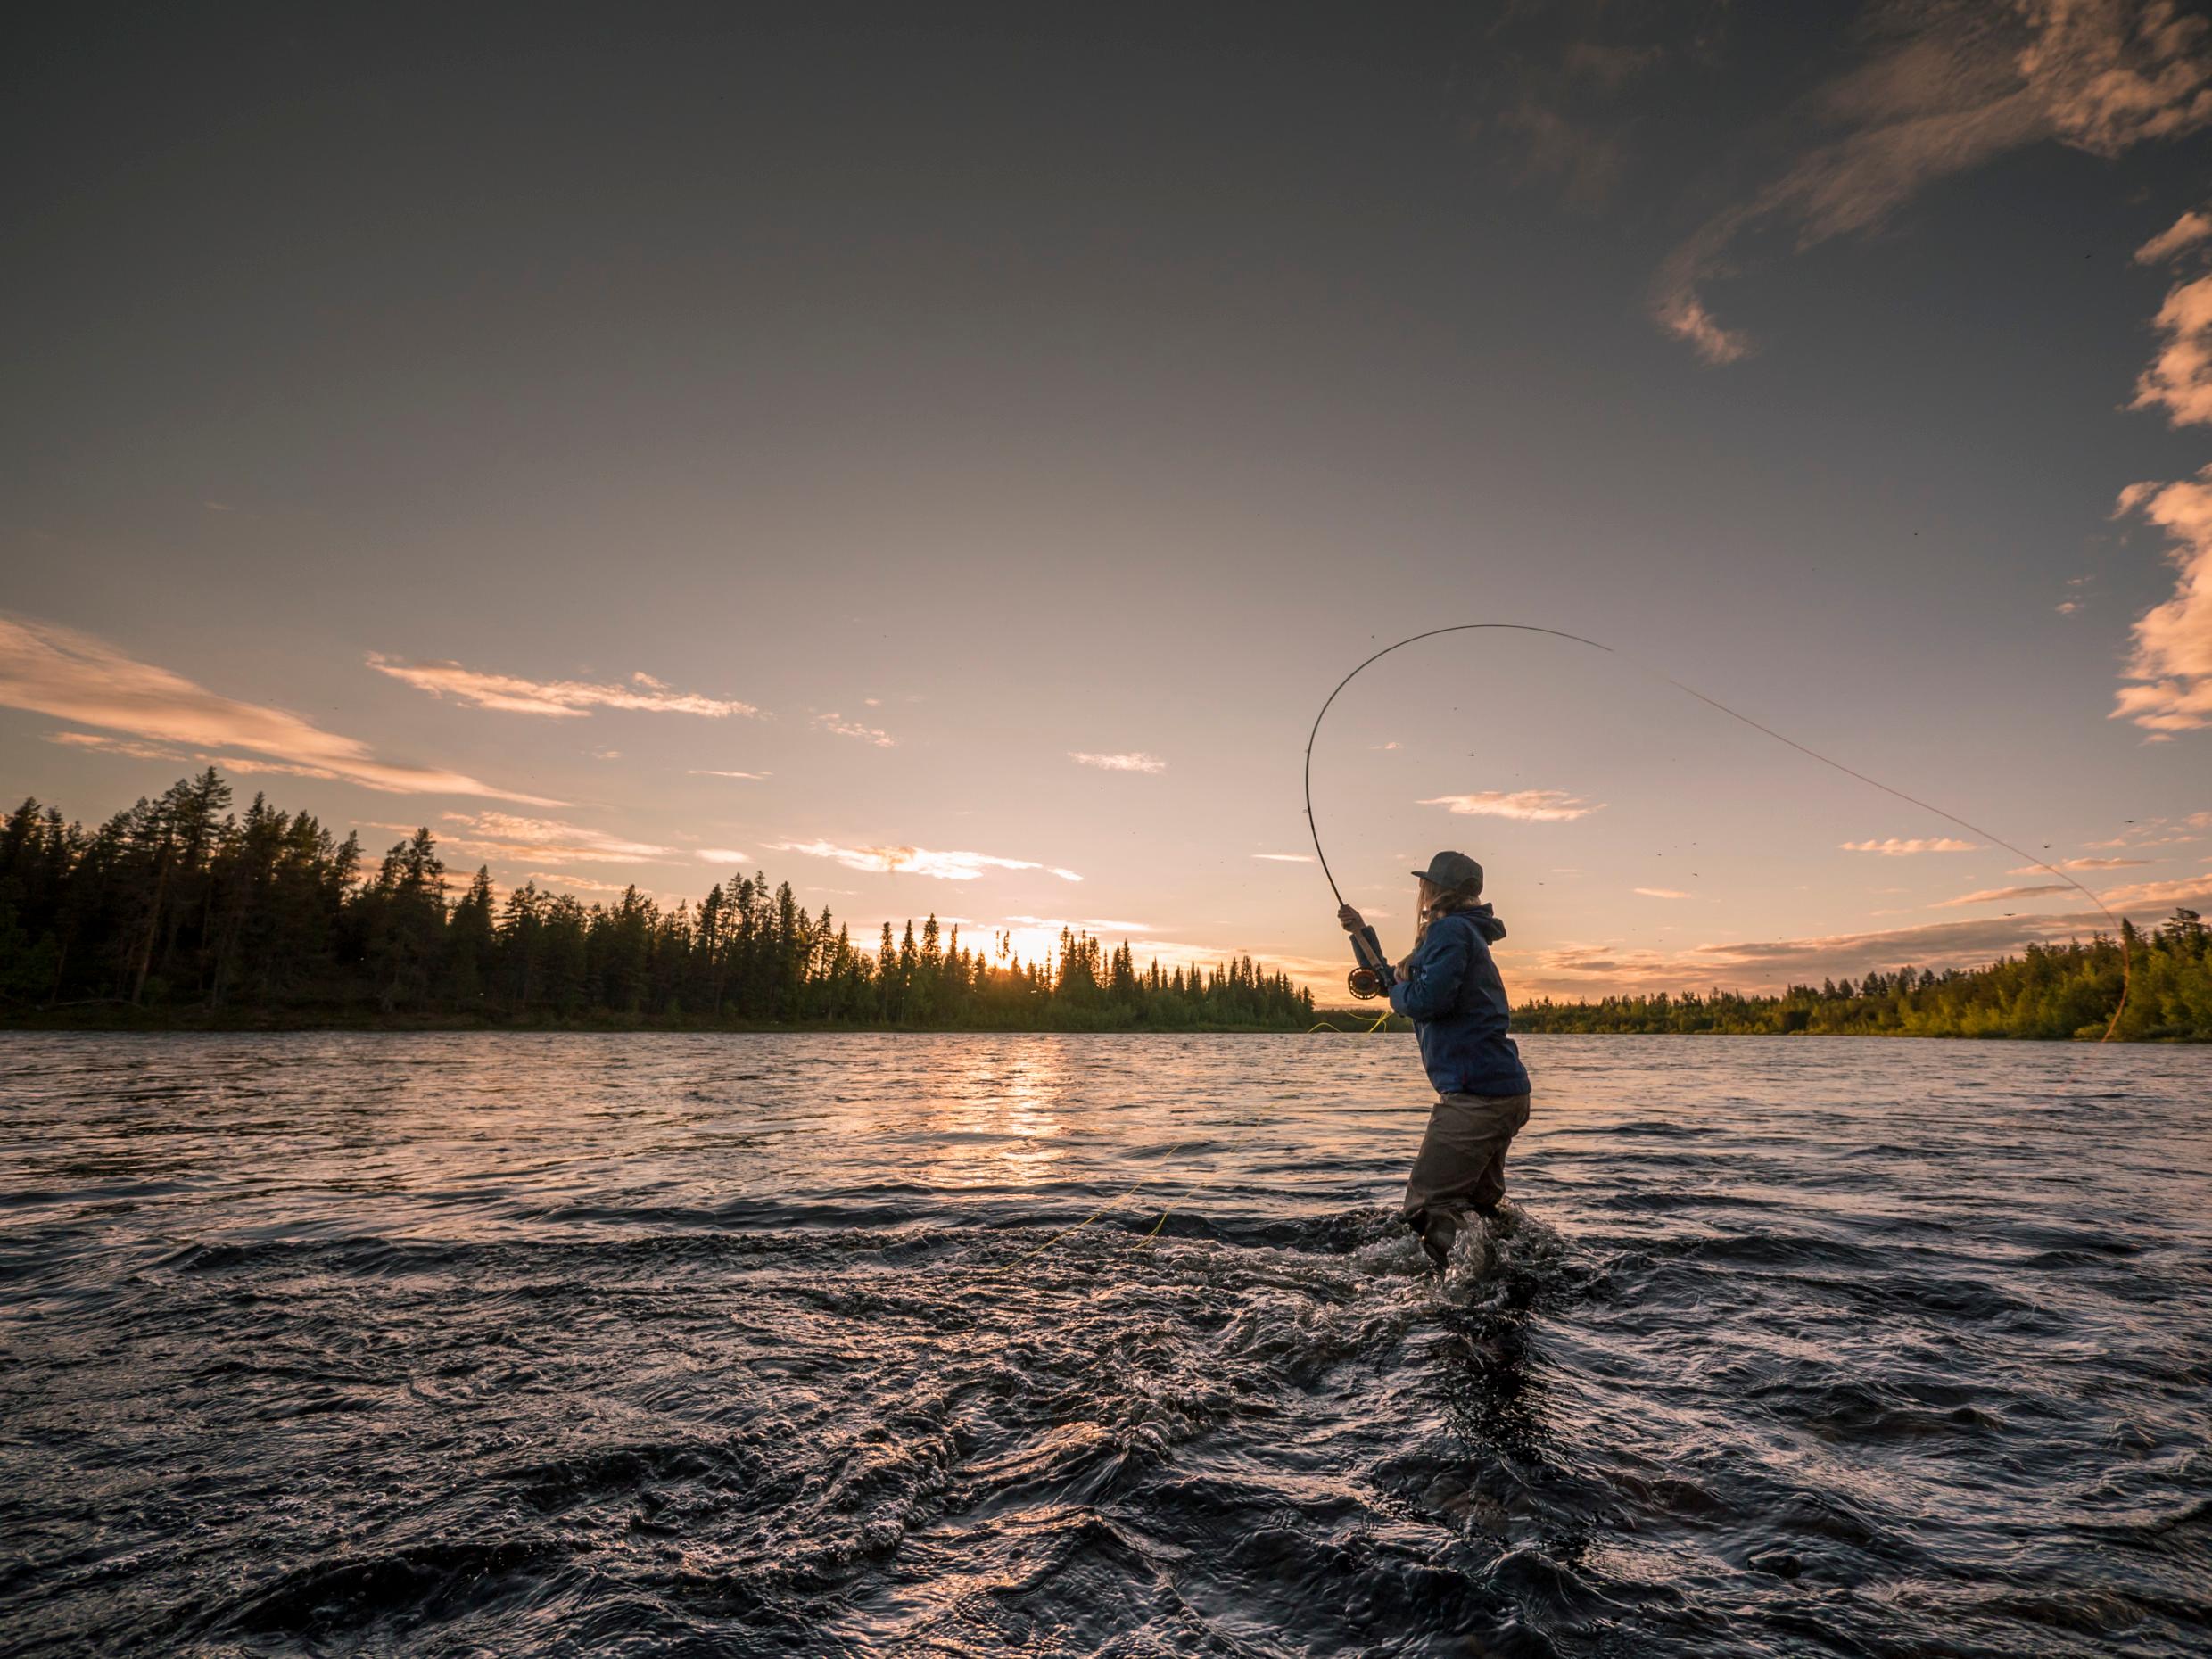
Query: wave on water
{"points": [[968, 1345]]}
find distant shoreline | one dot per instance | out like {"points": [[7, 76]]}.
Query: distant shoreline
{"points": [[172, 1022]]}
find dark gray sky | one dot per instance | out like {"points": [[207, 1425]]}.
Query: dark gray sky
{"points": [[1001, 430]]}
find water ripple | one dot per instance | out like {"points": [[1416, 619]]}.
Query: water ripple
{"points": [[976, 1344]]}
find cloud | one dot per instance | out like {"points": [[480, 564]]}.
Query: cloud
{"points": [[919, 861], [1132, 762], [2195, 891], [2172, 660], [1934, 944], [1992, 896], [2080, 863], [1533, 806], [2186, 232], [73, 676], [1664, 893], [1585, 969], [128, 746], [2179, 379], [564, 699], [502, 835], [843, 728], [1285, 858], [1090, 924], [706, 771], [1893, 848], [1946, 86], [1682, 314], [584, 883], [2157, 832], [722, 856]]}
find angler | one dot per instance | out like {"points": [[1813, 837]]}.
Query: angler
{"points": [[1449, 987]]}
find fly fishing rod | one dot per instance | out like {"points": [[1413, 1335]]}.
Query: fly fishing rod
{"points": [[1372, 974]]}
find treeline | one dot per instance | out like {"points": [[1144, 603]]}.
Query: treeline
{"points": [[179, 910], [2050, 991]]}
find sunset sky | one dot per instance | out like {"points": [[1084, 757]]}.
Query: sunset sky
{"points": [[976, 444]]}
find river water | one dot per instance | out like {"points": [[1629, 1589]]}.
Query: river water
{"points": [[504, 1344]]}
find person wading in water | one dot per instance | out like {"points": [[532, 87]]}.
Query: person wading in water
{"points": [[1448, 987]]}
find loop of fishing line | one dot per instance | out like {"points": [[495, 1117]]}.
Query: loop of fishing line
{"points": [[2127, 956]]}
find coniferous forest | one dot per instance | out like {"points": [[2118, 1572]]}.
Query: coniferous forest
{"points": [[180, 911]]}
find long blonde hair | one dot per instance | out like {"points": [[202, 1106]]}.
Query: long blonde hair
{"points": [[1433, 901]]}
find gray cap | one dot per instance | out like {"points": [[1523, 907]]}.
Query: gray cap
{"points": [[1452, 869]]}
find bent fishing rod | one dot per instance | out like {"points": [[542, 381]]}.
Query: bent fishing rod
{"points": [[1372, 974]]}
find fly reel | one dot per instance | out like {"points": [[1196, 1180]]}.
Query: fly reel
{"points": [[1372, 979]]}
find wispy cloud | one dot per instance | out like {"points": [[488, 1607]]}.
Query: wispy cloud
{"points": [[1945, 88], [2139, 834], [1663, 892], [1133, 761], [503, 835], [1284, 858], [919, 861], [2183, 233], [722, 856], [564, 699], [1893, 848], [843, 728], [129, 748], [1088, 924], [1997, 896], [582, 883], [1533, 806], [73, 676], [708, 772], [2195, 891], [1584, 970], [2172, 661], [2080, 863], [1932, 944]]}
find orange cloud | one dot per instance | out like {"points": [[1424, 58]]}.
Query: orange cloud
{"points": [[566, 700], [1531, 805], [2179, 379], [843, 728], [73, 676], [2184, 232], [1894, 848], [2195, 891], [919, 861], [584, 883], [2172, 661], [1992, 896], [1132, 762], [502, 835]]}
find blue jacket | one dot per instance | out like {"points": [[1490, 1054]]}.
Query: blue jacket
{"points": [[1451, 992]]}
